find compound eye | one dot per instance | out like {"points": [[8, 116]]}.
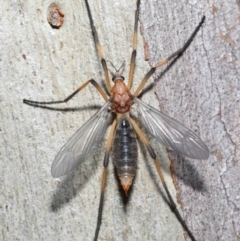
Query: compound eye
{"points": [[113, 78], [122, 78]]}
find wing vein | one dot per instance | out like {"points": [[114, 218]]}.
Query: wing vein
{"points": [[82, 144], [171, 133]]}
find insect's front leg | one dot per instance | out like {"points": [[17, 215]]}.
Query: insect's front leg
{"points": [[173, 57], [134, 52], [92, 81]]}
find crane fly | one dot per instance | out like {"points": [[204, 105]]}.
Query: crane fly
{"points": [[122, 138]]}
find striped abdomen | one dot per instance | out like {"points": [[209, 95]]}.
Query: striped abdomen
{"points": [[124, 149]]}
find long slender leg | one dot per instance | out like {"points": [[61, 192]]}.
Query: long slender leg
{"points": [[176, 54], [134, 52], [99, 47], [92, 81], [104, 177], [153, 155]]}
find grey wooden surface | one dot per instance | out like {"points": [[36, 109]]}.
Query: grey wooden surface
{"points": [[201, 91]]}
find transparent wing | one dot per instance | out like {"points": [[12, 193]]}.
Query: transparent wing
{"points": [[82, 144], [171, 133]]}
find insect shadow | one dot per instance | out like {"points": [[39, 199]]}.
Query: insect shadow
{"points": [[72, 184], [186, 172]]}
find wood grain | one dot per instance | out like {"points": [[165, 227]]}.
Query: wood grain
{"points": [[38, 62]]}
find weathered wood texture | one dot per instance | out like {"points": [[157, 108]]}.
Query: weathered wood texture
{"points": [[201, 91]]}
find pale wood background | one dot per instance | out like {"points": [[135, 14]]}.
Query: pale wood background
{"points": [[201, 91]]}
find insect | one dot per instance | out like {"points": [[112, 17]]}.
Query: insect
{"points": [[122, 136]]}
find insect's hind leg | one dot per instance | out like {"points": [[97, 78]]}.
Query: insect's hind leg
{"points": [[104, 177], [92, 81], [153, 155], [175, 55]]}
